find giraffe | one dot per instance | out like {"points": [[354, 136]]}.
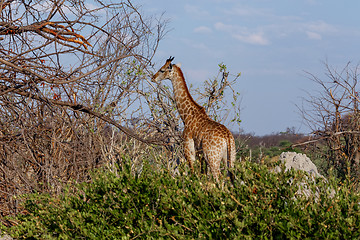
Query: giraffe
{"points": [[200, 131]]}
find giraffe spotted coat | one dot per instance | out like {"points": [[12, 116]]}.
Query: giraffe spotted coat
{"points": [[200, 131]]}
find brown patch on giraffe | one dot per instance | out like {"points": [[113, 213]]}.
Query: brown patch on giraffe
{"points": [[213, 138]]}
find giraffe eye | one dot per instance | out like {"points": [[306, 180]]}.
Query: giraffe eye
{"points": [[162, 71]]}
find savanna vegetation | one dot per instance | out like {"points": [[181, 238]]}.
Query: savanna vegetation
{"points": [[90, 148], [153, 204]]}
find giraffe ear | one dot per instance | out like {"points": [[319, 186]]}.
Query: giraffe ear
{"points": [[178, 65]]}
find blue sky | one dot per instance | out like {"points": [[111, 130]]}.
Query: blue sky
{"points": [[271, 42]]}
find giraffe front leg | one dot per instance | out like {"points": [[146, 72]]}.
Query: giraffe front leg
{"points": [[189, 151]]}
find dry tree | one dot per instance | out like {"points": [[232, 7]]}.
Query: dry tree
{"points": [[69, 70], [334, 117]]}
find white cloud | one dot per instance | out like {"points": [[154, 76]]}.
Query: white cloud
{"points": [[195, 10], [262, 26], [272, 26], [262, 35], [243, 34], [258, 14], [223, 27], [253, 38], [322, 27], [202, 29], [196, 46], [313, 35], [316, 30]]}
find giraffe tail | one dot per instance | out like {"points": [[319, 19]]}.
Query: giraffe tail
{"points": [[231, 155]]}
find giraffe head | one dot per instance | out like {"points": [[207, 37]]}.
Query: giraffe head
{"points": [[165, 71]]}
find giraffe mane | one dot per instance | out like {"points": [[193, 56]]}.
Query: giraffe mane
{"points": [[202, 109]]}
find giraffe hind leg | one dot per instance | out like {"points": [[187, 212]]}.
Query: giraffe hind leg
{"points": [[213, 162], [227, 163], [189, 151]]}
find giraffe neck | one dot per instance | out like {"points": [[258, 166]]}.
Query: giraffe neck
{"points": [[185, 104]]}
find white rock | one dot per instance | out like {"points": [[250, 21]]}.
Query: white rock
{"points": [[299, 161]]}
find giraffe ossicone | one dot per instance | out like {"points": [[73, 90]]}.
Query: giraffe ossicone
{"points": [[200, 131]]}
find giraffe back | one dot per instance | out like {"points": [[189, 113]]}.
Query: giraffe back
{"points": [[215, 140]]}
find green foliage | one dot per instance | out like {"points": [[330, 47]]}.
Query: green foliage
{"points": [[155, 205], [213, 92]]}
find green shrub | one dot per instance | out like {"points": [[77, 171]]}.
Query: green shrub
{"points": [[155, 205]]}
